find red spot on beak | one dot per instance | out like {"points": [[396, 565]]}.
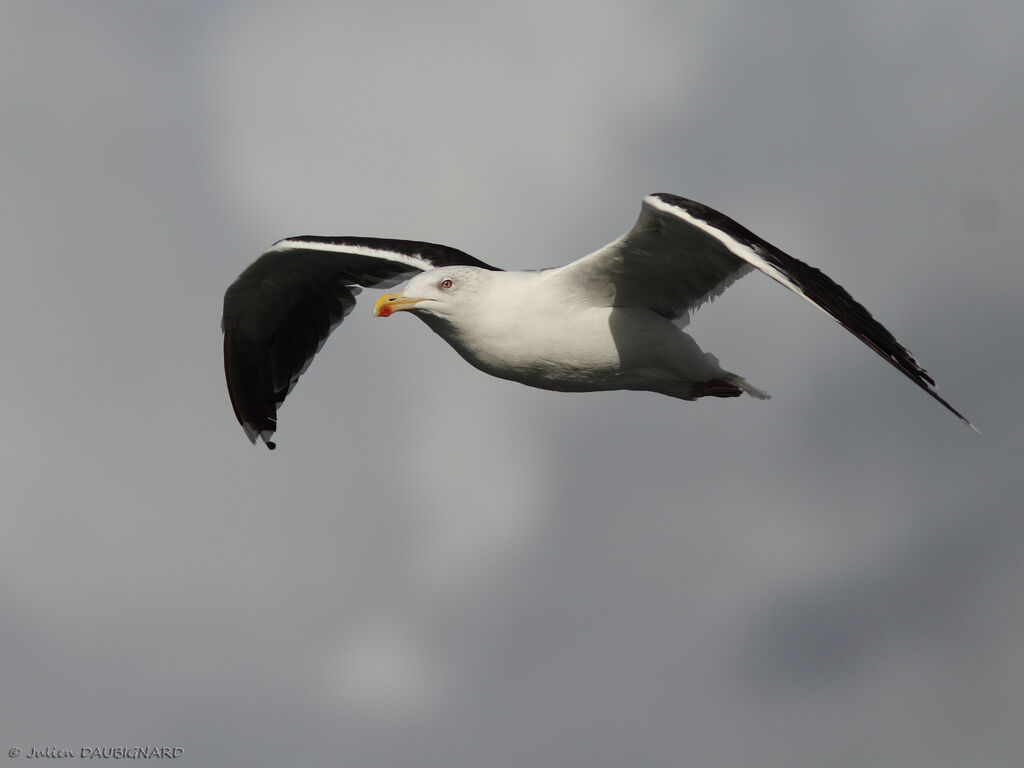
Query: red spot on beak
{"points": [[384, 311]]}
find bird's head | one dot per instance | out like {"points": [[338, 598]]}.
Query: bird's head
{"points": [[441, 293]]}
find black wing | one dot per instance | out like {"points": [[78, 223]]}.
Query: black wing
{"points": [[681, 253], [282, 308]]}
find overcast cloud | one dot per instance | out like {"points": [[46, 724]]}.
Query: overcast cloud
{"points": [[438, 568]]}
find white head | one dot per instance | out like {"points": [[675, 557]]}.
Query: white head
{"points": [[445, 294]]}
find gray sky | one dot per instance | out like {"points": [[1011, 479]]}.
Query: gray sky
{"points": [[438, 568]]}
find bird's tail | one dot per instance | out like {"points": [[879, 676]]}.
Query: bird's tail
{"points": [[750, 389], [728, 385]]}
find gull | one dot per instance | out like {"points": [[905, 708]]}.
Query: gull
{"points": [[608, 321]]}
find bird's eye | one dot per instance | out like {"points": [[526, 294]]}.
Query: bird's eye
{"points": [[446, 284]]}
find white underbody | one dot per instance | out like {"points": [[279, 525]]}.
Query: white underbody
{"points": [[525, 328]]}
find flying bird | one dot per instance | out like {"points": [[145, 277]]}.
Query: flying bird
{"points": [[610, 320]]}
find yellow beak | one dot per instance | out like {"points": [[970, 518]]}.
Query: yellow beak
{"points": [[393, 302]]}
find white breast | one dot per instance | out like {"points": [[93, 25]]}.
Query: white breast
{"points": [[524, 328]]}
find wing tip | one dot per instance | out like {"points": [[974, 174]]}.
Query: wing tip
{"points": [[254, 434], [950, 408], [971, 424]]}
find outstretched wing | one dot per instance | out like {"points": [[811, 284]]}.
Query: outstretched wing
{"points": [[681, 253], [282, 308], [664, 263]]}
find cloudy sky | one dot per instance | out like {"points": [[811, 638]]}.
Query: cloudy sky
{"points": [[437, 568]]}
